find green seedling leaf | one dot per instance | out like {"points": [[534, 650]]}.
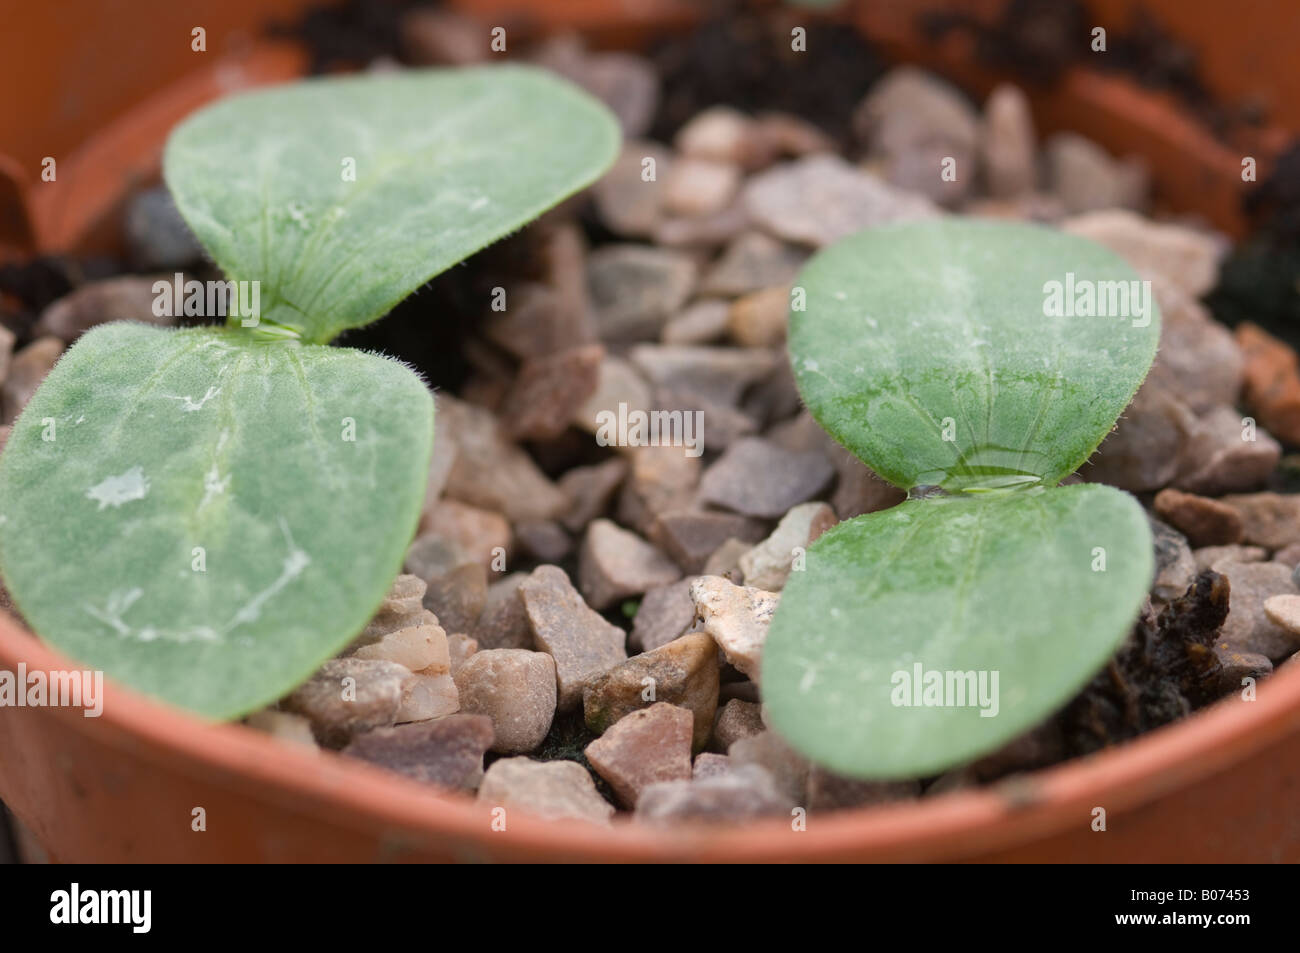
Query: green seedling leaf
{"points": [[207, 519], [1036, 587], [342, 196], [975, 364], [934, 350]]}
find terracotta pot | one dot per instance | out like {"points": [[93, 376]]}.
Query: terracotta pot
{"points": [[83, 98], [1219, 786], [122, 787]]}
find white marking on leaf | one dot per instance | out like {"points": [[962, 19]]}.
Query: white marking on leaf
{"points": [[294, 564], [213, 485], [190, 404], [119, 601], [123, 488], [809, 678]]}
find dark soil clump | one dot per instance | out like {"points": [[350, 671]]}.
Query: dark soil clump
{"points": [[743, 59], [1166, 670]]}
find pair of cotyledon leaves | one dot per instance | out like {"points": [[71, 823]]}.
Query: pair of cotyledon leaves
{"points": [[207, 514], [924, 635]]}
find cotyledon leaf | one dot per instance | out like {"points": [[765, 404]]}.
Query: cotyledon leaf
{"points": [[927, 349], [344, 195], [1037, 586], [207, 519]]}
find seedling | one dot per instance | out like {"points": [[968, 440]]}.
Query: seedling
{"points": [[924, 635], [207, 514]]}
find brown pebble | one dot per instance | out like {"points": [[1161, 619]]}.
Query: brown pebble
{"points": [[27, 369], [635, 289], [582, 643], [643, 747], [457, 597], [543, 540], [746, 792], [1249, 627], [717, 375], [1237, 667], [516, 689], [1147, 447], [788, 768], [822, 198], [628, 200], [129, 297], [1009, 149], [758, 478], [419, 648], [690, 537], [590, 490], [725, 561], [695, 187], [459, 648], [1205, 522], [723, 134], [752, 262], [428, 695], [1272, 381], [549, 390], [665, 613], [614, 564], [447, 752], [1271, 520], [759, 319], [431, 555], [662, 479], [736, 720], [551, 790], [700, 323], [737, 617], [494, 475], [710, 765], [483, 535], [348, 695], [503, 624], [405, 597], [769, 564], [684, 673], [1220, 459], [1207, 556], [1285, 611]]}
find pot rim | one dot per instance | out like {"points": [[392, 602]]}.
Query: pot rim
{"points": [[963, 823], [62, 216]]}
